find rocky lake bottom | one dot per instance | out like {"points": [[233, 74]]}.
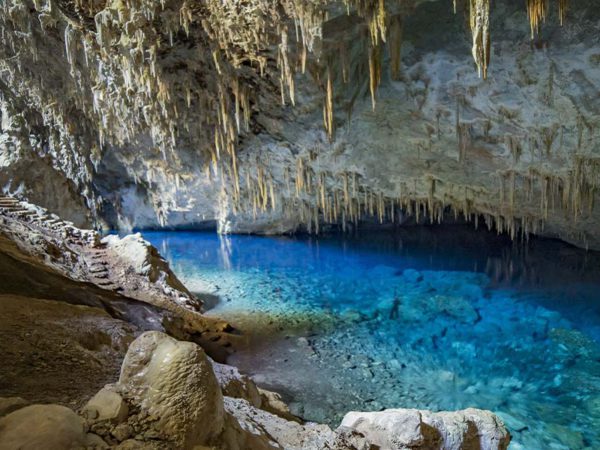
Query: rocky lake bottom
{"points": [[433, 318]]}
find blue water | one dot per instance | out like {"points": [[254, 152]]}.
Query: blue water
{"points": [[432, 318]]}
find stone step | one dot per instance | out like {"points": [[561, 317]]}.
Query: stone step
{"points": [[8, 200], [100, 276]]}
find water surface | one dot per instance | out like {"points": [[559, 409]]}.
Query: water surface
{"points": [[426, 317]]}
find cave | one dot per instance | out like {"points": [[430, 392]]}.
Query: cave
{"points": [[300, 224]]}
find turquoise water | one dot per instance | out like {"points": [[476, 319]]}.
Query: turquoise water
{"points": [[432, 318]]}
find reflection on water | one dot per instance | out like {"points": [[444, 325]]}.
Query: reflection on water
{"points": [[427, 317]]}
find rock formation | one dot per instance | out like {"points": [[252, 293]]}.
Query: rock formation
{"points": [[168, 396], [273, 116]]}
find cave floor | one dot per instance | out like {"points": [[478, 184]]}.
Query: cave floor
{"points": [[58, 343], [54, 352], [434, 319]]}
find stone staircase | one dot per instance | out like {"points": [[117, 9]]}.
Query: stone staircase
{"points": [[99, 273], [88, 241], [41, 218]]}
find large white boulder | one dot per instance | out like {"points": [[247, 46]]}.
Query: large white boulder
{"points": [[400, 429], [173, 386]]}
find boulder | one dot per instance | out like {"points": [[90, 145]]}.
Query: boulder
{"points": [[234, 384], [48, 427], [391, 429], [252, 428], [106, 406], [413, 429], [470, 428], [172, 385], [273, 403]]}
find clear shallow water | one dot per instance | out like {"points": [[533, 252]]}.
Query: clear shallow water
{"points": [[432, 318]]}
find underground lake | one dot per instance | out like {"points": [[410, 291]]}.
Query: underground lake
{"points": [[429, 317]]}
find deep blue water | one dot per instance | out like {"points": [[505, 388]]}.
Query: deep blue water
{"points": [[426, 317]]}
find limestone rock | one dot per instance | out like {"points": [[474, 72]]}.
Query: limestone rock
{"points": [[96, 442], [234, 384], [51, 427], [471, 428], [439, 135], [252, 428], [133, 444], [349, 439], [392, 429], [173, 386], [414, 429], [107, 405], [273, 403], [133, 254]]}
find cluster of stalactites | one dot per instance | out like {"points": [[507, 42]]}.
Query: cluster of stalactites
{"points": [[132, 93], [320, 196], [479, 13], [316, 196], [571, 192], [537, 11]]}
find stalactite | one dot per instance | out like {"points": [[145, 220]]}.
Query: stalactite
{"points": [[480, 28], [328, 106], [563, 5], [395, 46], [374, 72], [286, 73], [536, 12], [299, 176]]}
